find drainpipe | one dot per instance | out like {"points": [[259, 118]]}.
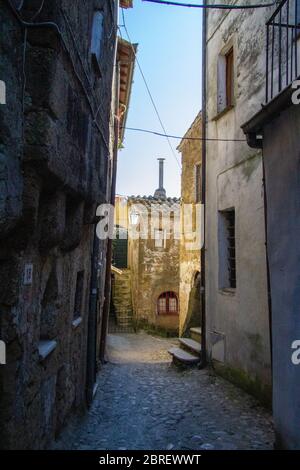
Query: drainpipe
{"points": [[91, 371], [203, 195], [267, 260], [107, 291]]}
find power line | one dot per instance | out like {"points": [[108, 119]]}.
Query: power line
{"points": [[150, 94], [169, 136], [215, 7]]}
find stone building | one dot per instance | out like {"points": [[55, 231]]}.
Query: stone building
{"points": [[56, 166], [191, 177], [237, 314], [274, 129], [146, 261]]}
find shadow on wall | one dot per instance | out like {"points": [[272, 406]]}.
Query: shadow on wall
{"points": [[193, 317]]}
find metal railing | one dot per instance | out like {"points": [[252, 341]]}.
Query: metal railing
{"points": [[282, 52]]}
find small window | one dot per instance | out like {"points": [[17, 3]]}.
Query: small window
{"points": [[225, 81], [198, 182], [227, 250], [50, 308], [78, 295], [97, 36], [160, 238], [167, 304], [120, 248], [229, 78]]}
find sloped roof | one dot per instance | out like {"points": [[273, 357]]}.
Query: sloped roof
{"points": [[126, 60], [162, 204]]}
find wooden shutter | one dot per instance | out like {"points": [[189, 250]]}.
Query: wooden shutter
{"points": [[229, 78]]}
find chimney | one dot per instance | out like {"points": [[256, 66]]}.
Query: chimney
{"points": [[160, 193]]}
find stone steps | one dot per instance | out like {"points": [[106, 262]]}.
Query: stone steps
{"points": [[196, 333], [190, 345], [189, 352], [183, 357]]}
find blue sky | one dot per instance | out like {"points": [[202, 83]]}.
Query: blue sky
{"points": [[169, 52]]}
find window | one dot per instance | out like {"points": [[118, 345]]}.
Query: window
{"points": [[78, 295], [229, 78], [120, 248], [227, 250], [167, 304], [225, 81], [198, 182], [162, 305], [160, 238], [172, 305], [50, 308], [97, 35]]}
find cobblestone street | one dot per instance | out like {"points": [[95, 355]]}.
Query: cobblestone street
{"points": [[144, 402]]}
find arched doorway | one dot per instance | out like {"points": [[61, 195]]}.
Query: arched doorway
{"points": [[167, 304]]}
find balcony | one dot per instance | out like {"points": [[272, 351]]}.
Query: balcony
{"points": [[283, 48]]}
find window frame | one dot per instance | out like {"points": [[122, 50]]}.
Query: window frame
{"points": [[229, 58], [167, 296], [227, 250], [225, 80], [96, 48], [163, 240]]}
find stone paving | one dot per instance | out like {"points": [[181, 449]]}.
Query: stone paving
{"points": [[144, 402]]}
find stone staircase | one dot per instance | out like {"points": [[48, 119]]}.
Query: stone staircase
{"points": [[189, 352], [122, 302]]}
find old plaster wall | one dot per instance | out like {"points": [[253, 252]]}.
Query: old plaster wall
{"points": [[52, 176], [237, 319], [190, 314]]}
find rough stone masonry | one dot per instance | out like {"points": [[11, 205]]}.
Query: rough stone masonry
{"points": [[55, 169]]}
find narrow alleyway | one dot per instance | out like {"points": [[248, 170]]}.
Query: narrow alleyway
{"points": [[143, 402]]}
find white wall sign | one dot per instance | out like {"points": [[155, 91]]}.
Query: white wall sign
{"points": [[2, 92]]}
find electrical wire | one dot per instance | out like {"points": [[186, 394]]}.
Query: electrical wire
{"points": [[55, 27], [147, 131], [38, 11], [212, 6], [149, 93]]}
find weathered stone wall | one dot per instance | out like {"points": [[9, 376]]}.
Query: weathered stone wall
{"points": [[151, 270], [154, 271], [190, 314], [122, 297], [11, 124], [52, 178], [237, 319]]}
